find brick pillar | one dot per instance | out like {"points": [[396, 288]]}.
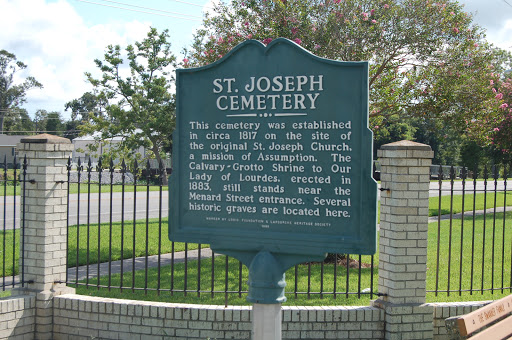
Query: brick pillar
{"points": [[45, 223], [403, 239]]}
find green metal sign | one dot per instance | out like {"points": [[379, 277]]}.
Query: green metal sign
{"points": [[272, 155]]}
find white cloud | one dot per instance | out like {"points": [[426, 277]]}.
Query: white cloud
{"points": [[494, 16], [504, 36], [58, 47]]}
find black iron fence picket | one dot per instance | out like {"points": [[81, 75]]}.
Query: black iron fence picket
{"points": [[160, 265], [480, 248], [12, 232]]}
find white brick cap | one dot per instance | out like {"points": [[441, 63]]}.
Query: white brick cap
{"points": [[45, 138], [406, 145]]}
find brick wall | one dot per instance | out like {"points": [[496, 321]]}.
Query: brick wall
{"points": [[17, 317], [444, 310], [84, 317], [334, 322]]}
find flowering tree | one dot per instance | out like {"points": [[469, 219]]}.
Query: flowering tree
{"points": [[426, 57], [501, 135]]}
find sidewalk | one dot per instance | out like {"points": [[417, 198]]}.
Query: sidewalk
{"points": [[140, 263], [468, 214]]}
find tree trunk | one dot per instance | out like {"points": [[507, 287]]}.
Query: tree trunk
{"points": [[2, 116], [165, 180]]}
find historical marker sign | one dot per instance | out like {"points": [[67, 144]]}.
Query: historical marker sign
{"points": [[272, 152]]}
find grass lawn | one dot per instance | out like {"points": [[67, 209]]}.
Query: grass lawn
{"points": [[73, 188], [482, 202], [108, 250], [481, 260], [237, 282], [8, 241], [451, 275], [122, 239]]}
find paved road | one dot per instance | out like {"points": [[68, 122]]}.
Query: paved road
{"points": [[97, 207], [479, 187], [470, 187], [100, 205]]}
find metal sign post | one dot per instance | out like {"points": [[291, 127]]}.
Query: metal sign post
{"points": [[266, 324], [273, 161]]}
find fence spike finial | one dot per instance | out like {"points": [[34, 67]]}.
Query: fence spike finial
{"points": [[160, 171], [99, 166], [495, 172], [135, 168], [89, 166]]}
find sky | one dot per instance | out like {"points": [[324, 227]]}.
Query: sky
{"points": [[59, 39]]}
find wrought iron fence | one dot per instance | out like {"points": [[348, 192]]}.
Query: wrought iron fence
{"points": [[472, 238], [118, 239], [12, 232]]}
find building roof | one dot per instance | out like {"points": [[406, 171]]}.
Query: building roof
{"points": [[10, 140], [97, 136]]}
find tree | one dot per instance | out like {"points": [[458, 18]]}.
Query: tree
{"points": [[12, 95], [444, 140], [391, 129], [55, 124], [81, 108], [138, 107], [427, 59], [40, 119], [471, 154], [493, 133], [501, 136], [17, 121], [49, 122]]}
